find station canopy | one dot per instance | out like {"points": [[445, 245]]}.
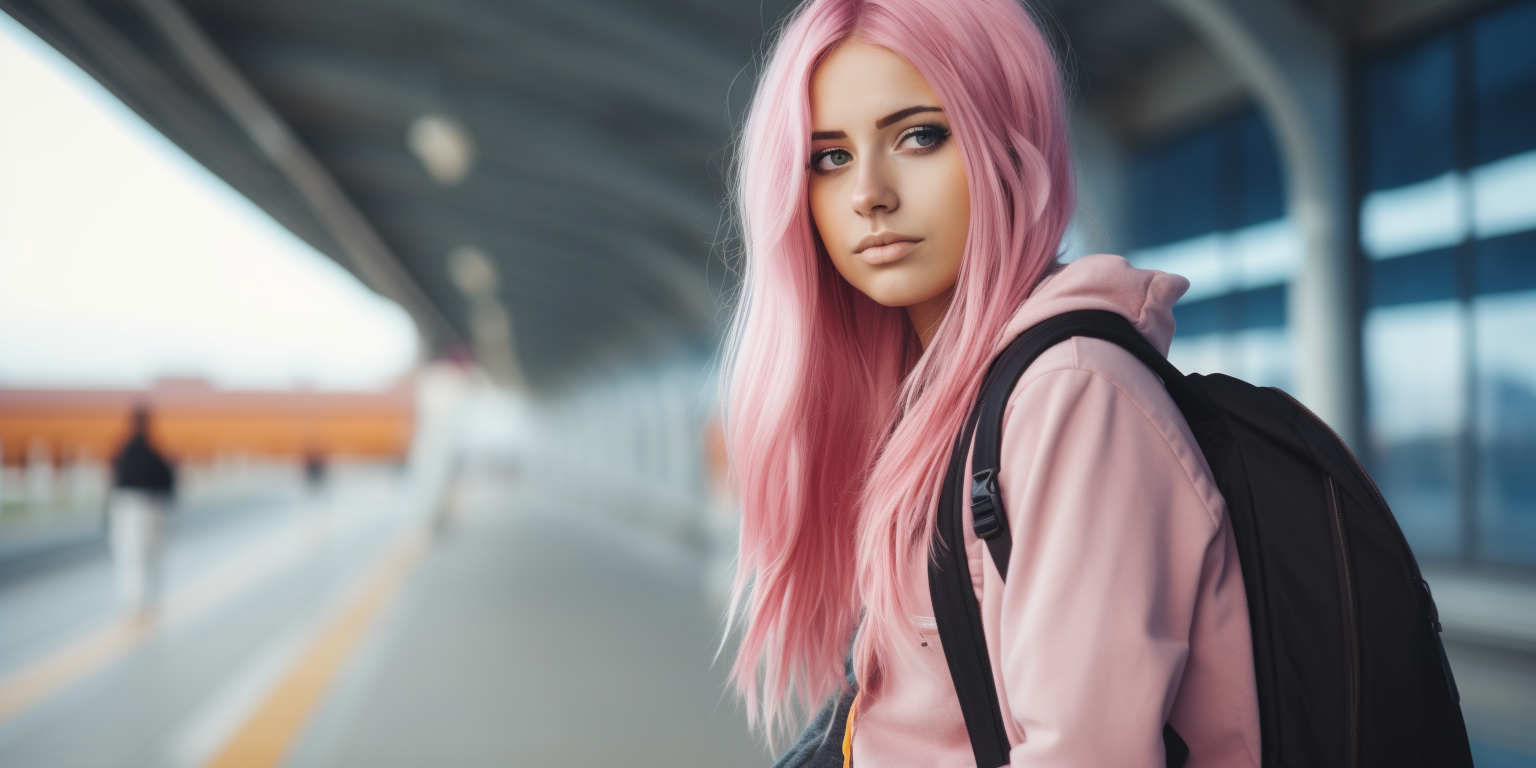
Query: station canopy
{"points": [[541, 182]]}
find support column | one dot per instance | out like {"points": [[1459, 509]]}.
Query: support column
{"points": [[1295, 68]]}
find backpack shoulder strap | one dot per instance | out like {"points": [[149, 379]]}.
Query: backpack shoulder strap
{"points": [[958, 616], [987, 518], [949, 582]]}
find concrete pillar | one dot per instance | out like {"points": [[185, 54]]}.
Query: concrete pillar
{"points": [[1296, 70]]}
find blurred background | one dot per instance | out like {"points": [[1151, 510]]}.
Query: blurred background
{"points": [[423, 301]]}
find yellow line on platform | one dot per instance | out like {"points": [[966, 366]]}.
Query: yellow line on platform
{"points": [[30, 684], [265, 737], [58, 670]]}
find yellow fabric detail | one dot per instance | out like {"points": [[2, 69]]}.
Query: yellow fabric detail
{"points": [[853, 712]]}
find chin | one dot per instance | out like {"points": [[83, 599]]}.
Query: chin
{"points": [[898, 300], [889, 290]]}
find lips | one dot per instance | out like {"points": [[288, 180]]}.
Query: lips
{"points": [[885, 247]]}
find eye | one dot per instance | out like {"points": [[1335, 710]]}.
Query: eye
{"points": [[831, 159], [923, 137]]}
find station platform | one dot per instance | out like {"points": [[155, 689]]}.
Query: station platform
{"points": [[344, 630], [350, 627]]}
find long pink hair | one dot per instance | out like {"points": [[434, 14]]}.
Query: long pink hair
{"points": [[838, 424]]}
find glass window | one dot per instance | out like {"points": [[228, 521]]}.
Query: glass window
{"points": [[1504, 82], [1264, 254], [1410, 106], [1502, 195], [1229, 235], [1448, 224], [1416, 198], [1261, 185], [1413, 219], [1428, 276], [1200, 259], [1413, 364], [1262, 356], [1196, 318], [1507, 263], [1260, 308], [1503, 78], [1506, 449], [1176, 190], [1258, 355]]}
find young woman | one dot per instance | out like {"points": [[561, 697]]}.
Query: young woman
{"points": [[904, 184]]}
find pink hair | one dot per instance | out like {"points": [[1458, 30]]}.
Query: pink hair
{"points": [[838, 424]]}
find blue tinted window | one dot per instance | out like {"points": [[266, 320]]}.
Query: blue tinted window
{"points": [[1427, 338], [1427, 276], [1410, 110], [1239, 311], [1229, 235], [1415, 381], [1507, 263], [1224, 176], [1262, 188], [1504, 82], [1506, 425], [1175, 190], [1261, 308], [1196, 317]]}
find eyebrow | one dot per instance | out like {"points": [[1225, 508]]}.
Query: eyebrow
{"points": [[881, 123], [908, 112]]}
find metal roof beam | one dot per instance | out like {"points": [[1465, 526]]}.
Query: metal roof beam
{"points": [[370, 258]]}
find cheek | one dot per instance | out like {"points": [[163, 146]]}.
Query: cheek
{"points": [[821, 212], [948, 202], [833, 218]]}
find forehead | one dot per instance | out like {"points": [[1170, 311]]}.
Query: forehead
{"points": [[859, 83]]}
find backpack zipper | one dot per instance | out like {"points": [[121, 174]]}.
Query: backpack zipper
{"points": [[1418, 575], [1396, 529], [1351, 620], [1341, 538]]}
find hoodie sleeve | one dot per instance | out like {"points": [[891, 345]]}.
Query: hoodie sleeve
{"points": [[1122, 565]]}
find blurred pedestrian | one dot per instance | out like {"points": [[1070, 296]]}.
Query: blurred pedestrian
{"points": [[142, 486], [314, 471]]}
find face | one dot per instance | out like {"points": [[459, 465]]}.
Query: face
{"points": [[887, 187]]}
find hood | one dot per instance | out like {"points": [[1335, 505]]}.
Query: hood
{"points": [[1102, 281]]}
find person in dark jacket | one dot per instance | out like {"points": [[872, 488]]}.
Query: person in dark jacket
{"points": [[143, 483]]}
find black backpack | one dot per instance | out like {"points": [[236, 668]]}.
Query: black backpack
{"points": [[1350, 668]]}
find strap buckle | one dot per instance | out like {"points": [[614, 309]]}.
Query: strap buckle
{"points": [[986, 504]]}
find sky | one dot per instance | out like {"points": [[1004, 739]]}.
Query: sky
{"points": [[122, 260]]}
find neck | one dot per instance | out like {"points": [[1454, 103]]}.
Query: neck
{"points": [[926, 315]]}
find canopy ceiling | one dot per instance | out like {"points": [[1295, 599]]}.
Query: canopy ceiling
{"points": [[579, 146]]}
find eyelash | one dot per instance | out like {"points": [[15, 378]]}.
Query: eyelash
{"points": [[940, 133]]}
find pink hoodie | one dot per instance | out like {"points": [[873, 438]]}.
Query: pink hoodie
{"points": [[1124, 606]]}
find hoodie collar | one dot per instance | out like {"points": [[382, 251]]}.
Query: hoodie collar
{"points": [[1102, 281]]}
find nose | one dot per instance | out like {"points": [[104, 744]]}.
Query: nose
{"points": [[873, 192]]}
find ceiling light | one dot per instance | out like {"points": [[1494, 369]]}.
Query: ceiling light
{"points": [[443, 146], [472, 272]]}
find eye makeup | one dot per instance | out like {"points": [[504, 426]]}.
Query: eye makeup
{"points": [[833, 158]]}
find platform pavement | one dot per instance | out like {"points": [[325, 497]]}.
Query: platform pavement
{"points": [[517, 636], [523, 633], [532, 635]]}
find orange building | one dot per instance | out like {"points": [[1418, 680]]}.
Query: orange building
{"points": [[189, 420]]}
